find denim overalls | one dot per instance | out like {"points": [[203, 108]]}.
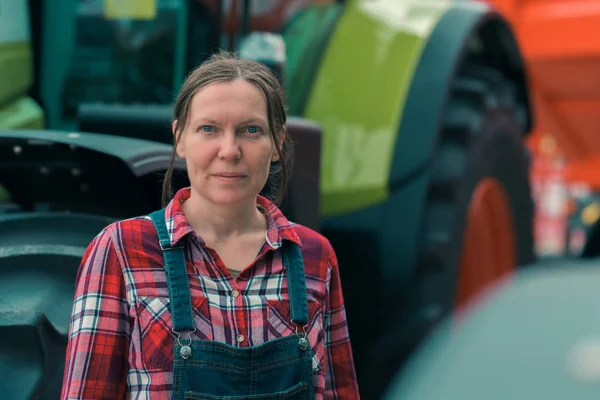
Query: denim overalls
{"points": [[277, 370]]}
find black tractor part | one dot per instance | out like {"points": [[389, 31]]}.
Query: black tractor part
{"points": [[83, 173], [301, 204], [140, 121]]}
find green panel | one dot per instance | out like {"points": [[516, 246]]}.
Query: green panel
{"points": [[359, 94], [306, 38], [16, 65], [24, 113]]}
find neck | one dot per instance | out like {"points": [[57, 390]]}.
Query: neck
{"points": [[217, 223]]}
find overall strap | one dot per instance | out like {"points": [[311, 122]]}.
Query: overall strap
{"points": [[292, 259], [177, 279]]}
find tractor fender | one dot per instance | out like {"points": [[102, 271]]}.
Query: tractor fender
{"points": [[465, 27], [82, 172], [380, 91], [139, 156]]}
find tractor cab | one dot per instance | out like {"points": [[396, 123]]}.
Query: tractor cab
{"points": [[138, 52]]}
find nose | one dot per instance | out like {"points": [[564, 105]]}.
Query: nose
{"points": [[230, 147]]}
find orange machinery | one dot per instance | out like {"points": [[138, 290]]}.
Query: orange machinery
{"points": [[560, 41]]}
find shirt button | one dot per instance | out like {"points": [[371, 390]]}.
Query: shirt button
{"points": [[235, 293], [240, 338]]}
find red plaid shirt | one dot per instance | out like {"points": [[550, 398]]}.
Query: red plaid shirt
{"points": [[120, 339]]}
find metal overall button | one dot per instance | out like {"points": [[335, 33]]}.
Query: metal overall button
{"points": [[302, 342], [185, 351]]}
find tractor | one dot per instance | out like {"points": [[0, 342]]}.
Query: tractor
{"points": [[409, 120]]}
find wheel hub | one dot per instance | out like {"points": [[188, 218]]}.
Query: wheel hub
{"points": [[488, 251]]}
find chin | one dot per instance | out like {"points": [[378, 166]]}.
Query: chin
{"points": [[228, 197]]}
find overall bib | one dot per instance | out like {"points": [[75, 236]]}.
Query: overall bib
{"points": [[202, 369]]}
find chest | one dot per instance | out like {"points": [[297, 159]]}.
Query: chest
{"points": [[238, 254]]}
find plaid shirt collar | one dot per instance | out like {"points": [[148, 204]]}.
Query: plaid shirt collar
{"points": [[279, 228]]}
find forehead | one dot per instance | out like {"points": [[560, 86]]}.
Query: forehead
{"points": [[235, 99]]}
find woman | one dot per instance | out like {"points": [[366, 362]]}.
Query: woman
{"points": [[218, 294]]}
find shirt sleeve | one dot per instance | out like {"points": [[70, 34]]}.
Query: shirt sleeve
{"points": [[340, 376], [99, 332]]}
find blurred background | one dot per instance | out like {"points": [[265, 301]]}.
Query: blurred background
{"points": [[448, 149]]}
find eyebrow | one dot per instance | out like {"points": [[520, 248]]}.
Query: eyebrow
{"points": [[253, 119], [246, 121]]}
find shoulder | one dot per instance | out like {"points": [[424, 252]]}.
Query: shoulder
{"points": [[314, 245], [127, 248], [127, 233], [140, 224]]}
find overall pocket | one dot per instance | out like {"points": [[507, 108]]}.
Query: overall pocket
{"points": [[155, 322], [297, 392]]}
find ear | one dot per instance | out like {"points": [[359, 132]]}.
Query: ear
{"points": [[179, 149], [275, 155]]}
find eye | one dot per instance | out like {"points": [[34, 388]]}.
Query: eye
{"points": [[253, 129], [207, 128]]}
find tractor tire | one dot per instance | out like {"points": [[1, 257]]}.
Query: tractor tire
{"points": [[480, 192], [33, 356], [481, 144], [36, 299], [40, 254]]}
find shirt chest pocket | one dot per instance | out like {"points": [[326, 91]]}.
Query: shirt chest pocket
{"points": [[279, 324], [156, 323]]}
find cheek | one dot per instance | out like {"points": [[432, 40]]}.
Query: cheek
{"points": [[198, 154], [266, 159]]}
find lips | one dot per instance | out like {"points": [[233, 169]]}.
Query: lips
{"points": [[229, 175]]}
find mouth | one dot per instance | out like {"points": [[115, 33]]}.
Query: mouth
{"points": [[229, 177]]}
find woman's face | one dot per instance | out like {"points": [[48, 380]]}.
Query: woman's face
{"points": [[226, 143]]}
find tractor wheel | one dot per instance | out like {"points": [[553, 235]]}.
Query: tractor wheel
{"points": [[33, 355], [478, 218], [479, 214], [39, 260]]}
